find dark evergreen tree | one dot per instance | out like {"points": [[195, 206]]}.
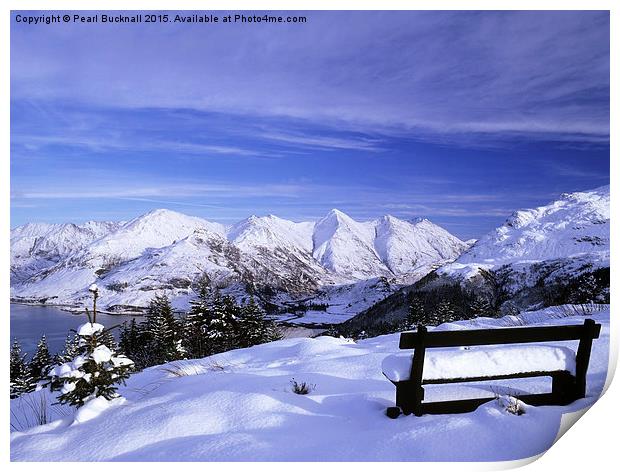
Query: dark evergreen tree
{"points": [[223, 329], [481, 306], [586, 290], [41, 362], [162, 331], [20, 379], [442, 313], [133, 344], [70, 350], [107, 338], [194, 327], [415, 315], [254, 326]]}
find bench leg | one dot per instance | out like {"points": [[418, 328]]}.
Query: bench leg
{"points": [[409, 398], [564, 388], [393, 412]]}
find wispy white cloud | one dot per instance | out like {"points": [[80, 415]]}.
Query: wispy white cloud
{"points": [[427, 74], [93, 141], [127, 191], [323, 142]]}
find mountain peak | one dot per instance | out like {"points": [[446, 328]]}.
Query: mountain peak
{"points": [[576, 223], [336, 213]]}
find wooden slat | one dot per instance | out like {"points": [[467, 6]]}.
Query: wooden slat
{"points": [[470, 404], [521, 375], [485, 337]]}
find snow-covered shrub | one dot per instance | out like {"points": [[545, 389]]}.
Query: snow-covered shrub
{"points": [[511, 404], [301, 388], [178, 369], [96, 371]]}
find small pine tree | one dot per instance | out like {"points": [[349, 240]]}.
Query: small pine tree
{"points": [[162, 330], [20, 379], [442, 313], [255, 327], [108, 339], [415, 315], [481, 306], [223, 331], [41, 361], [586, 291], [194, 326], [96, 371], [133, 344]]}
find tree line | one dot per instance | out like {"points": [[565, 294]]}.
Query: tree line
{"points": [[213, 324]]}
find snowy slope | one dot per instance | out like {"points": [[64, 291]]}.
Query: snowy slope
{"points": [[279, 259], [563, 238], [239, 406], [407, 247], [577, 223], [278, 253], [271, 231], [36, 246], [155, 229]]}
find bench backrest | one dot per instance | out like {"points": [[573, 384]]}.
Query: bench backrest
{"points": [[485, 337]]}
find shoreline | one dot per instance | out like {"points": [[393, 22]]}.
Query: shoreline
{"points": [[74, 310]]}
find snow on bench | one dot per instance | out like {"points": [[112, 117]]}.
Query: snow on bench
{"points": [[482, 362]]}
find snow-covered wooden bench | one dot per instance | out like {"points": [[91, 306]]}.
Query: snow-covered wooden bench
{"points": [[511, 355]]}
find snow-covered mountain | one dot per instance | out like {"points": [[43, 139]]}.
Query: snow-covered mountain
{"points": [[576, 227], [576, 223], [552, 254], [37, 246], [405, 247], [277, 259], [346, 247]]}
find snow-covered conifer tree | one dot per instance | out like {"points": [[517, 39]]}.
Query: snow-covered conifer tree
{"points": [[20, 379], [415, 315], [96, 371], [133, 344], [223, 328], [255, 327], [70, 350], [163, 331], [481, 306], [443, 312], [194, 326], [41, 361]]}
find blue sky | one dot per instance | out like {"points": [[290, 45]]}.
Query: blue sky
{"points": [[461, 117]]}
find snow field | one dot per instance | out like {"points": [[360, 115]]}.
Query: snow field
{"points": [[239, 406]]}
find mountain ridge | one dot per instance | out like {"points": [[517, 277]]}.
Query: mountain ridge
{"points": [[278, 259]]}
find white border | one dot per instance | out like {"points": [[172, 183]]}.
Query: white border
{"points": [[590, 446]]}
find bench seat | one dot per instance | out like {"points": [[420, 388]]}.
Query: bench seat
{"points": [[482, 361]]}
